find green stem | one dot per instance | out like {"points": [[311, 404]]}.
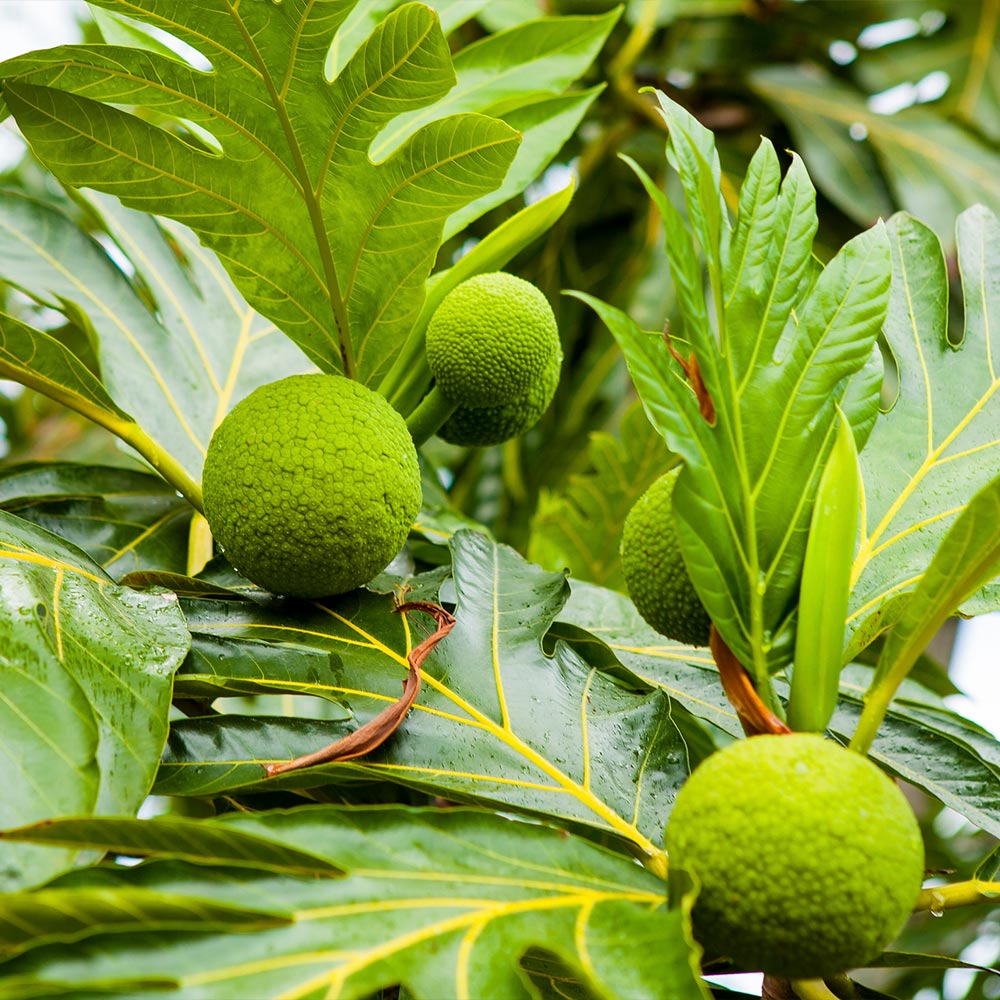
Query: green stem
{"points": [[430, 414], [165, 464]]}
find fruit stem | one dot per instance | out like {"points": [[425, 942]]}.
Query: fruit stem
{"points": [[938, 898], [199, 544], [812, 989], [164, 463], [427, 418]]}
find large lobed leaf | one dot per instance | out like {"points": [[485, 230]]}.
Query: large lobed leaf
{"points": [[445, 902], [176, 344], [776, 358], [497, 722], [921, 741], [85, 684], [273, 164], [936, 445]]}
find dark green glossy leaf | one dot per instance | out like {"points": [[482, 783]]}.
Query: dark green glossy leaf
{"points": [[445, 902], [125, 520], [87, 669], [497, 721]]}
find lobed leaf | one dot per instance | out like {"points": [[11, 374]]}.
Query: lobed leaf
{"points": [[332, 247], [498, 721], [176, 344], [86, 680], [935, 446], [444, 902], [786, 341], [126, 521]]}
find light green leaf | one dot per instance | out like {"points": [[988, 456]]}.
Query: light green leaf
{"points": [[743, 541], [175, 360], [791, 338], [497, 721], [331, 247], [563, 527], [87, 669], [937, 444], [41, 362], [825, 587], [934, 168], [444, 902], [967, 558], [509, 70]]}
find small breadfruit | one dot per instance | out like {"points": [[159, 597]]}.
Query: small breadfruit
{"points": [[490, 340], [654, 570], [808, 858], [311, 485], [477, 426]]}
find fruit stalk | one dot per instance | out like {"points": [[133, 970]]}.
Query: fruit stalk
{"points": [[427, 419]]}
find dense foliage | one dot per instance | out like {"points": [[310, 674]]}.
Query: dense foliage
{"points": [[217, 195]]}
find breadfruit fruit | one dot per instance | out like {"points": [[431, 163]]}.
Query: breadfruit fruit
{"points": [[490, 340], [477, 426], [808, 857], [311, 485], [654, 570]]}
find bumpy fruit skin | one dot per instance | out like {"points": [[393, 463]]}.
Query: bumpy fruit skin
{"points": [[311, 485], [491, 338], [809, 858], [654, 570], [485, 425]]}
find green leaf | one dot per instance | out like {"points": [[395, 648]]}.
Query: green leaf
{"points": [[517, 75], [126, 521], [791, 338], [934, 168], [968, 557], [497, 721], [688, 676], [445, 902], [330, 246], [934, 447], [825, 588], [621, 469], [968, 51], [743, 537], [87, 669], [41, 362], [175, 358]]}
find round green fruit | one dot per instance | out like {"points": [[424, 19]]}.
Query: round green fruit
{"points": [[808, 858], [311, 485], [654, 570], [477, 426], [491, 338]]}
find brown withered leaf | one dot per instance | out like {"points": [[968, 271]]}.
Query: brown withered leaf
{"points": [[376, 731]]}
